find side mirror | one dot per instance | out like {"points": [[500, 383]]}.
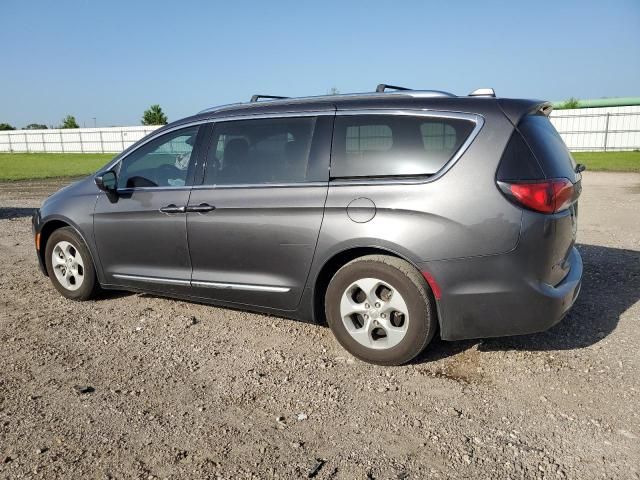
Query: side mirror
{"points": [[107, 181]]}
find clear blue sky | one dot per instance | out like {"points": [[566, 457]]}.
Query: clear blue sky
{"points": [[111, 59]]}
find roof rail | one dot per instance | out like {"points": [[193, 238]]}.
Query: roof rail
{"points": [[383, 86], [255, 98], [483, 92]]}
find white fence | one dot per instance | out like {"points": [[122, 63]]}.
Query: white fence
{"points": [[76, 140], [583, 129], [599, 129]]}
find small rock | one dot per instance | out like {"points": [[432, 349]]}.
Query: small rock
{"points": [[453, 412], [80, 390], [316, 468], [41, 450], [297, 444], [302, 416]]}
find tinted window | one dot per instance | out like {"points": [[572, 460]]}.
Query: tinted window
{"points": [[260, 151], [163, 162], [548, 147], [389, 145]]}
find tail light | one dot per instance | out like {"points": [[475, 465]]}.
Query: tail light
{"points": [[546, 196]]}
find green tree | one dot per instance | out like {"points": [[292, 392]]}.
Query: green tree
{"points": [[571, 103], [36, 126], [6, 126], [69, 122], [154, 116]]}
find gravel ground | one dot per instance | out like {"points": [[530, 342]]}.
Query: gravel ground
{"points": [[135, 386]]}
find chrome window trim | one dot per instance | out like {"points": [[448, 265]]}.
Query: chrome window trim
{"points": [[412, 179], [199, 283], [260, 185], [400, 180]]}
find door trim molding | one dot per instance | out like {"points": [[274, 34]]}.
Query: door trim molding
{"points": [[140, 278], [240, 286], [199, 283]]}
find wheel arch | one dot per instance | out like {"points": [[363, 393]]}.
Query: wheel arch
{"points": [[341, 258], [47, 229]]}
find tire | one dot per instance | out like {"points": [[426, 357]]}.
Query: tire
{"points": [[74, 274], [403, 306]]}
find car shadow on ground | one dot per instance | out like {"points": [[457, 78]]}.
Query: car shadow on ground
{"points": [[9, 213], [610, 286]]}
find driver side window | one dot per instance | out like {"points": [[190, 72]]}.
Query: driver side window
{"points": [[163, 162]]}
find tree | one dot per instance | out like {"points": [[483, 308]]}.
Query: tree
{"points": [[36, 126], [571, 103], [69, 122], [6, 126], [154, 116]]}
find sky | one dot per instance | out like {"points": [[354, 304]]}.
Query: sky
{"points": [[110, 60]]}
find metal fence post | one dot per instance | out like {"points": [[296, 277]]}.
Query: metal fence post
{"points": [[606, 131], [10, 145], [101, 142], [26, 142], [121, 140], [61, 141], [81, 145]]}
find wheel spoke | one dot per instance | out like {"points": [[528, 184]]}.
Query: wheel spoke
{"points": [[348, 306]]}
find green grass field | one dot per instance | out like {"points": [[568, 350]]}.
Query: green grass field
{"points": [[609, 161], [30, 166]]}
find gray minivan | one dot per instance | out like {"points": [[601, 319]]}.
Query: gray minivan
{"points": [[391, 215]]}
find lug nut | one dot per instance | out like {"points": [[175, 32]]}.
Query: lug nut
{"points": [[366, 305], [366, 317], [377, 304], [383, 315]]}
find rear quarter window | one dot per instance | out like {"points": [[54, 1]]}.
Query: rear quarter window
{"points": [[548, 147], [394, 145]]}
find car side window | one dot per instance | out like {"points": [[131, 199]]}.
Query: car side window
{"points": [[163, 162], [394, 145], [260, 151]]}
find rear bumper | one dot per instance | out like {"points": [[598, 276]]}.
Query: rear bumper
{"points": [[492, 297]]}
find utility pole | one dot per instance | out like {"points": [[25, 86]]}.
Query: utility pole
{"points": [[94, 122]]}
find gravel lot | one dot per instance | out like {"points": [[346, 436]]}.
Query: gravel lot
{"points": [[135, 386]]}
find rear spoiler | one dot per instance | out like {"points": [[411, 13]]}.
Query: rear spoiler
{"points": [[515, 109]]}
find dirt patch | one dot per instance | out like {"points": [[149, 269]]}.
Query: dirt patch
{"points": [[136, 386]]}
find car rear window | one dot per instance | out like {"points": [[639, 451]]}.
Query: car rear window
{"points": [[394, 145], [548, 147]]}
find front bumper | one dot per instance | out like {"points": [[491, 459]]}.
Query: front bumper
{"points": [[490, 297], [36, 227]]}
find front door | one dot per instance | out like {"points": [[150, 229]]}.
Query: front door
{"points": [[141, 231], [254, 221]]}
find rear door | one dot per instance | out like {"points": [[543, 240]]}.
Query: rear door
{"points": [[253, 223]]}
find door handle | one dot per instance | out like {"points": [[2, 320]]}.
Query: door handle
{"points": [[172, 208], [202, 208]]}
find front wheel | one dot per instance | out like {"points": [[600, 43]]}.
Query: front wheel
{"points": [[69, 265], [381, 310]]}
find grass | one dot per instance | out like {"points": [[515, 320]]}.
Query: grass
{"points": [[609, 161], [31, 166]]}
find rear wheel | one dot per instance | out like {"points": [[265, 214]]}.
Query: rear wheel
{"points": [[380, 309], [69, 265]]}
